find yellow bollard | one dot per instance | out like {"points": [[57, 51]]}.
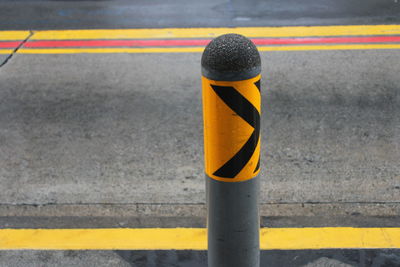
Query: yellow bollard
{"points": [[231, 67]]}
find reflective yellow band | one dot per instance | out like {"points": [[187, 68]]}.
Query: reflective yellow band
{"points": [[231, 113]]}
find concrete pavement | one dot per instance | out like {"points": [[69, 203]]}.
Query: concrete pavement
{"points": [[3, 58], [72, 133]]}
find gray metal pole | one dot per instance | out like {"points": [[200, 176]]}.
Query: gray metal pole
{"points": [[231, 69]]}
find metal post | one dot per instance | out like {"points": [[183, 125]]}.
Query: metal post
{"points": [[231, 67]]}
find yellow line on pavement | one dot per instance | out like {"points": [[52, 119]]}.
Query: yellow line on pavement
{"points": [[108, 50], [166, 33], [6, 51], [13, 35], [146, 239], [194, 238], [200, 49], [329, 47], [330, 238]]}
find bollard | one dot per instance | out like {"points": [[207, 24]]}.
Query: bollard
{"points": [[231, 67]]}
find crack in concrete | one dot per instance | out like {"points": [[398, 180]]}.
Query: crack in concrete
{"points": [[16, 49]]}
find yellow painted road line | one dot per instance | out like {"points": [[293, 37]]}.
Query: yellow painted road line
{"points": [[195, 238], [200, 49], [108, 50], [330, 238], [136, 239], [13, 35], [172, 33], [329, 47], [6, 51]]}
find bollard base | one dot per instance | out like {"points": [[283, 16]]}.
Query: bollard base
{"points": [[233, 223]]}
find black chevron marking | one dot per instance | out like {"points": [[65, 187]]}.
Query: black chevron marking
{"points": [[247, 112], [257, 167], [257, 83]]}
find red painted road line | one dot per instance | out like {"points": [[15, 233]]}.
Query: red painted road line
{"points": [[113, 43], [203, 42], [328, 40], [9, 44]]}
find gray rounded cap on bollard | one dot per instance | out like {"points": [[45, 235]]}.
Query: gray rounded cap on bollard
{"points": [[230, 57]]}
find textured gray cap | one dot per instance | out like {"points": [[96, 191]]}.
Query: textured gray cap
{"points": [[230, 57]]}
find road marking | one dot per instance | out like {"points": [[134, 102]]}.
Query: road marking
{"points": [[329, 47], [13, 35], [8, 44], [174, 40], [200, 42], [6, 51], [172, 33], [330, 238], [200, 49], [110, 50], [195, 238], [135, 239]]}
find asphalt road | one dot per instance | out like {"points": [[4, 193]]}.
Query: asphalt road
{"points": [[306, 258], [76, 14]]}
